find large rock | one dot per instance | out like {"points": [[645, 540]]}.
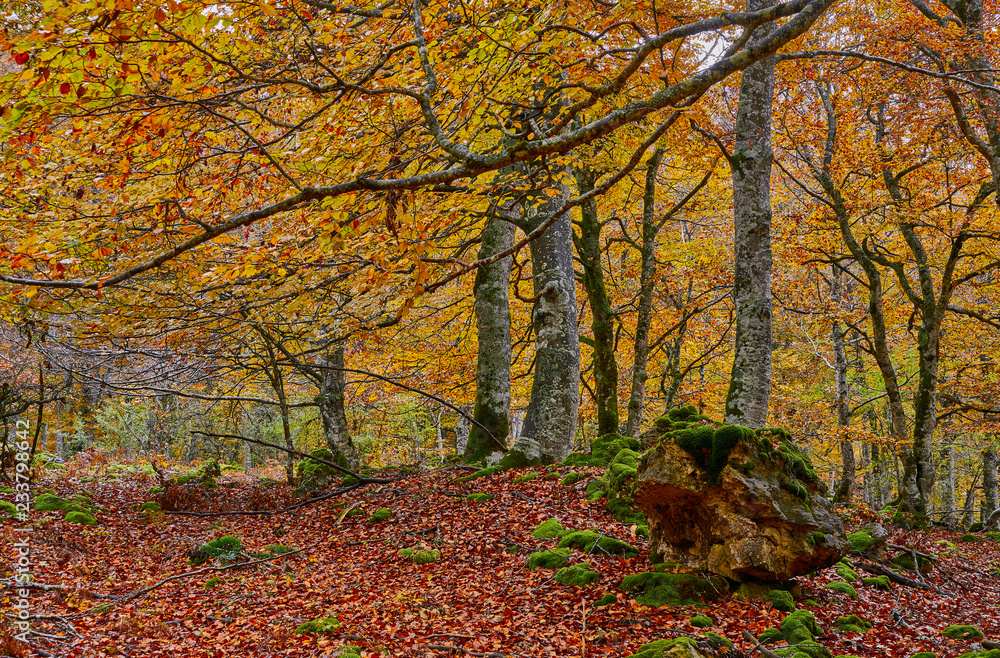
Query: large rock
{"points": [[741, 504]]}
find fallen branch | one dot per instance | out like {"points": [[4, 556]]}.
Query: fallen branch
{"points": [[896, 578], [282, 510], [764, 651], [474, 653]]}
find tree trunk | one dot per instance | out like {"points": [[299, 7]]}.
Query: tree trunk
{"points": [[990, 502], [750, 381], [492, 308], [332, 388], [462, 431], [844, 491], [948, 484], [644, 315], [555, 390], [588, 248]]}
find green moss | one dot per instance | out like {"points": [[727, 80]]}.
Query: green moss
{"points": [[718, 640], [624, 510], [578, 575], [852, 624], [604, 449], [380, 515], [843, 588], [8, 509], [479, 497], [815, 538], [770, 636], [657, 589], [800, 628], [905, 561], [681, 647], [798, 462], [150, 506], [156, 490], [596, 490], [924, 654], [48, 502], [481, 473], [724, 440], [81, 517], [781, 600], [697, 443], [6, 489], [861, 541], [203, 475], [321, 625], [591, 542], [549, 529], [701, 621], [962, 632], [968, 537], [571, 478], [225, 549], [606, 600], [846, 572], [995, 536], [527, 477], [976, 527], [212, 582], [878, 582], [553, 559], [622, 472]]}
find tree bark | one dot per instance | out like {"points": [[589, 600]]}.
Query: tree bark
{"points": [[948, 484], [644, 315], [492, 307], [750, 380], [588, 249], [332, 410], [990, 502], [844, 491], [555, 389]]}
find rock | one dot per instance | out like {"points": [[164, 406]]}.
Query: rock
{"points": [[681, 647], [963, 632], [553, 559], [729, 501], [578, 575]]}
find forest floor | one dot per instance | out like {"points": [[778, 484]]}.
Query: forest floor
{"points": [[478, 599]]}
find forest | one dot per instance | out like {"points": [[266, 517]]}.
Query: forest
{"points": [[470, 328]]}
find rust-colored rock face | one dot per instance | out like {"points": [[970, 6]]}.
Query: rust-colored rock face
{"points": [[760, 522]]}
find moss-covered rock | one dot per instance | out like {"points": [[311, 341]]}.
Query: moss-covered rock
{"points": [[578, 575], [905, 561], [770, 636], [969, 537], [380, 515], [80, 517], [150, 506], [962, 632], [591, 542], [681, 647], [479, 497], [717, 640], [8, 509], [658, 589], [861, 541], [571, 478], [321, 625], [420, 556], [527, 477], [602, 450], [878, 582], [843, 588], [596, 490], [606, 600], [781, 600], [846, 572], [701, 621], [924, 654], [852, 624], [552, 559], [202, 475], [800, 628], [225, 549], [549, 529]]}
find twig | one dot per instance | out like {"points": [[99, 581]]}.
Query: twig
{"points": [[764, 651], [896, 578], [474, 653]]}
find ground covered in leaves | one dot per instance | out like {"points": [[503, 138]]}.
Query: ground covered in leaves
{"points": [[464, 589]]}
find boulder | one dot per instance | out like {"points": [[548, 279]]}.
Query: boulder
{"points": [[742, 504]]}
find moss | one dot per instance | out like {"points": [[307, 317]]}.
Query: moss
{"points": [[380, 515], [481, 473], [770, 636], [420, 556], [203, 475], [878, 582], [781, 600], [212, 582], [552, 559], [8, 509], [624, 510], [846, 572], [976, 527], [924, 654], [962, 632], [622, 472], [815, 538], [701, 621], [724, 440], [48, 502], [861, 541], [852, 624], [6, 489], [549, 529], [605, 448], [156, 490], [697, 443], [718, 640], [551, 476], [657, 589], [905, 561], [596, 490], [577, 575], [591, 542], [995, 536], [479, 497], [606, 600], [527, 477], [81, 517], [278, 549], [800, 628], [968, 537], [321, 625], [798, 463], [843, 588], [681, 647], [571, 478], [581, 459], [150, 506]]}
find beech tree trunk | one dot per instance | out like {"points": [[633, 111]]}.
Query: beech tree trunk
{"points": [[555, 390], [588, 249], [332, 387], [492, 307], [844, 491], [990, 502], [750, 380], [948, 484]]}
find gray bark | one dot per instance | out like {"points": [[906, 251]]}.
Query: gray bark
{"points": [[60, 446], [492, 307], [555, 390], [948, 484], [844, 491], [332, 388], [990, 502], [750, 381], [462, 430]]}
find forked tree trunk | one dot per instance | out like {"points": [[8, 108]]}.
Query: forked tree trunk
{"points": [[750, 381], [332, 390]]}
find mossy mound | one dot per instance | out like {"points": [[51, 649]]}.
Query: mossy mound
{"points": [[225, 549], [606, 600], [770, 636], [846, 572], [969, 537], [349, 651], [962, 632], [202, 475], [924, 654], [843, 588], [992, 653], [781, 600], [905, 561], [571, 478], [419, 556], [8, 509], [527, 477], [524, 453], [553, 559], [596, 490], [591, 542], [603, 450], [6, 489], [311, 474], [150, 506], [81, 517], [878, 582], [852, 624], [800, 628], [861, 541], [380, 515], [657, 589], [711, 447], [701, 621], [212, 582], [273, 550], [480, 497], [549, 529], [321, 625], [578, 575], [681, 647]]}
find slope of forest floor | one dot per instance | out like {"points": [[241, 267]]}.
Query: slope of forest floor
{"points": [[478, 599]]}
